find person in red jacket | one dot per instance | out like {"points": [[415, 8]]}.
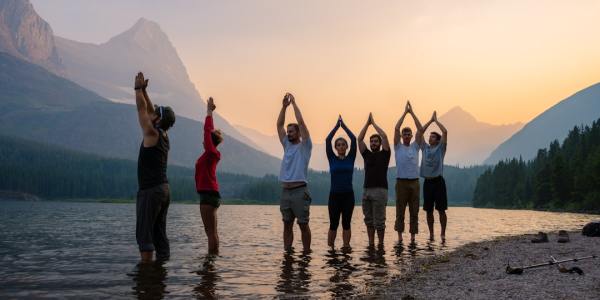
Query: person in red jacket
{"points": [[206, 179]]}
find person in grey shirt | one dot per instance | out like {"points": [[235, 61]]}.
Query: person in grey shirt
{"points": [[432, 168]]}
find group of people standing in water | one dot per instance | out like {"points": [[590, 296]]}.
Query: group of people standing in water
{"points": [[153, 196]]}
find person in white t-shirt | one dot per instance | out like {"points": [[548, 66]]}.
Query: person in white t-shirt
{"points": [[295, 198], [407, 175]]}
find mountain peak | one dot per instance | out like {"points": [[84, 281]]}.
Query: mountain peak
{"points": [[144, 32], [457, 113], [146, 25]]}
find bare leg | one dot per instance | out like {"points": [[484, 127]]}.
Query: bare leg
{"points": [[331, 238], [371, 234], [443, 221], [288, 235], [146, 256], [209, 219], [430, 224], [346, 235], [380, 236], [306, 236]]}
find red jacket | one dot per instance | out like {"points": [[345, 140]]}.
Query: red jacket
{"points": [[206, 165]]}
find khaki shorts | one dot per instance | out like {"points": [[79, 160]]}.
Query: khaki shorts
{"points": [[374, 202], [295, 203]]}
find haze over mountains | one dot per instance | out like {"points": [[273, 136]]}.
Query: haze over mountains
{"points": [[41, 106], [470, 141], [25, 35], [107, 70], [582, 108]]}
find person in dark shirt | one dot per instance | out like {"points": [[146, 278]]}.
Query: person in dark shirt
{"points": [[206, 178], [341, 194], [375, 195], [153, 197]]}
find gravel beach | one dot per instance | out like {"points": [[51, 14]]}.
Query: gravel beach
{"points": [[477, 271]]}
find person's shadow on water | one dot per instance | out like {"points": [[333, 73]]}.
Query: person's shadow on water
{"points": [[295, 277], [207, 289], [376, 267], [341, 263], [149, 280]]}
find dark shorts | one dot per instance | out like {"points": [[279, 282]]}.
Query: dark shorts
{"points": [[340, 204], [434, 194], [152, 206], [212, 198]]}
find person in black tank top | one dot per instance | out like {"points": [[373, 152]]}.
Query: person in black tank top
{"points": [[152, 162], [153, 197]]}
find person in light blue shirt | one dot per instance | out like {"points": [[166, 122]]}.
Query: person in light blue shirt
{"points": [[432, 168]]}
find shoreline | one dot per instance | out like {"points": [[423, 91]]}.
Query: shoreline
{"points": [[477, 271]]}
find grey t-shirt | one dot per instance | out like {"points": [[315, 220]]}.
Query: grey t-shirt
{"points": [[294, 165], [432, 161]]}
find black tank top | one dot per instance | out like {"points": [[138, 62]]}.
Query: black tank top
{"points": [[152, 163]]}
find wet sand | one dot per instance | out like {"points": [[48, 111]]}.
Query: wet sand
{"points": [[477, 271]]}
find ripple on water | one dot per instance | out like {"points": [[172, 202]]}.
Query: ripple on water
{"points": [[73, 249]]}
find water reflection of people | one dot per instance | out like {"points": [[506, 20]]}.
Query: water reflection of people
{"points": [[294, 277], [149, 279], [341, 262], [208, 279]]}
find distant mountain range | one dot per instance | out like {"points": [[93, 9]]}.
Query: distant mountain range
{"points": [[582, 108], [470, 141], [108, 69], [40, 106]]}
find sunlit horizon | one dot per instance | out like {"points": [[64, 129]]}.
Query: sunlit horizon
{"points": [[502, 61]]}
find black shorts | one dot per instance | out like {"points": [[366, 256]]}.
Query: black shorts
{"points": [[340, 204], [434, 194], [212, 198], [152, 206]]}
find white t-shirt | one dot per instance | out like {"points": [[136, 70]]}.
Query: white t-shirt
{"points": [[407, 161], [294, 165]]}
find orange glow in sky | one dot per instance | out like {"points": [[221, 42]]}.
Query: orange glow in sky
{"points": [[502, 61]]}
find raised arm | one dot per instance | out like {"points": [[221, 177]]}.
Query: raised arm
{"points": [[281, 119], [361, 136], [144, 118], [149, 105], [444, 139], [329, 138], [385, 143], [303, 129], [209, 126], [420, 132], [417, 123], [352, 151], [398, 126]]}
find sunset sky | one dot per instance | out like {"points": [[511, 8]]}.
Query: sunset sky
{"points": [[503, 61]]}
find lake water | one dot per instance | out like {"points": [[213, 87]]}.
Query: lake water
{"points": [[88, 250]]}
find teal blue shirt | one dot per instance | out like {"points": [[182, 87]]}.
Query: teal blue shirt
{"points": [[432, 160]]}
